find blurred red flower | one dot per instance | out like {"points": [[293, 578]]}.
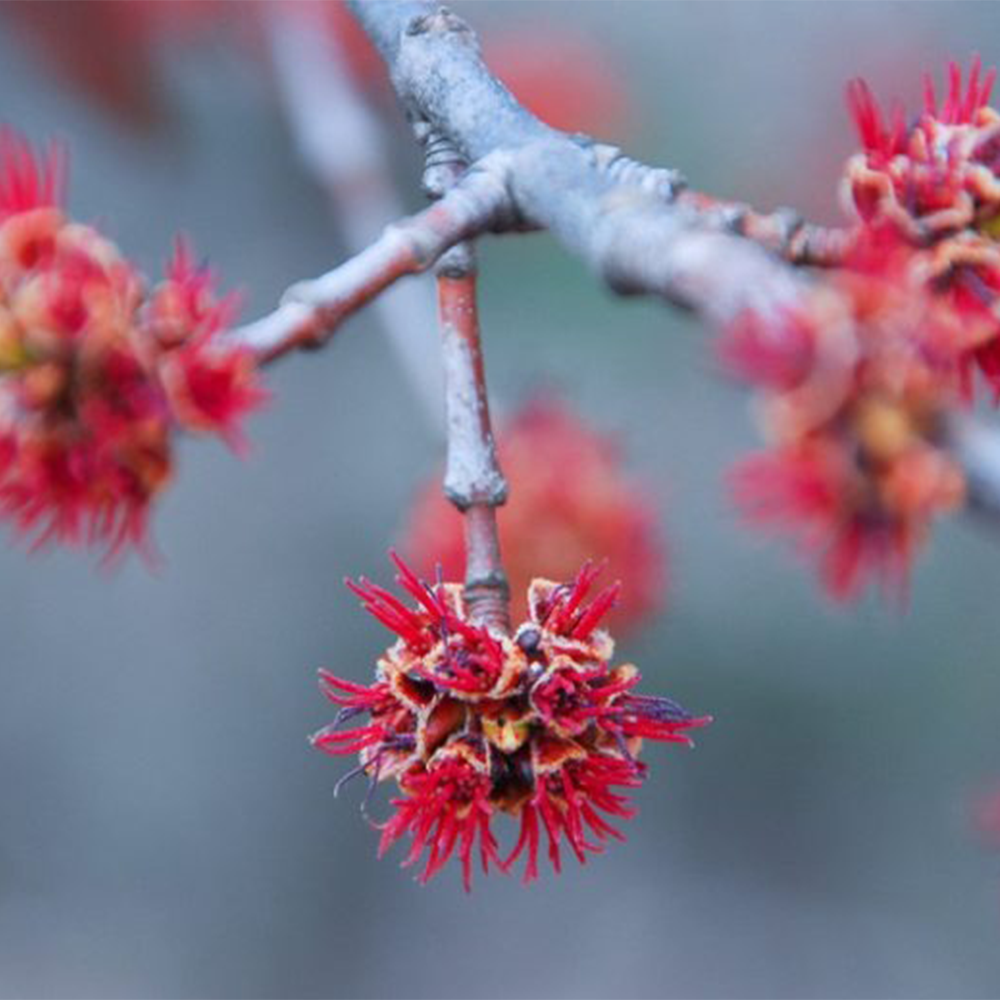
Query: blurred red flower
{"points": [[95, 375], [108, 50], [854, 392], [563, 76], [935, 183]]}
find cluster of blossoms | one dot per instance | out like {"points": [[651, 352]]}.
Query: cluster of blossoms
{"points": [[857, 384], [471, 722], [854, 389], [935, 185], [95, 372], [573, 498]]}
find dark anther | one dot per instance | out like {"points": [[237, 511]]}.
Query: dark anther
{"points": [[529, 639], [418, 25], [536, 670], [348, 712], [656, 707]]}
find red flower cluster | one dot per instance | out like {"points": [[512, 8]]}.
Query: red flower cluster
{"points": [[854, 389], [935, 185], [94, 373], [857, 384], [936, 176], [571, 498], [471, 722]]}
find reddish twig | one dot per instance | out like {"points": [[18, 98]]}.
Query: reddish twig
{"points": [[783, 232], [473, 480]]}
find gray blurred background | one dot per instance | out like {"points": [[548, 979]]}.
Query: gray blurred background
{"points": [[165, 829]]}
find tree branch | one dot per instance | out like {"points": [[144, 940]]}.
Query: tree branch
{"points": [[473, 481], [631, 222], [636, 225], [311, 311], [634, 240], [783, 232]]}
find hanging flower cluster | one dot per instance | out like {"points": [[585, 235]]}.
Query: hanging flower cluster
{"points": [[96, 373], [854, 388], [471, 723], [935, 184], [856, 385], [572, 498]]}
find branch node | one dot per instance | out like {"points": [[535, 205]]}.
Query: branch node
{"points": [[496, 580], [458, 262], [788, 222], [661, 182], [443, 163], [440, 22]]}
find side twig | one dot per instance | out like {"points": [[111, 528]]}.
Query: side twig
{"points": [[311, 311], [473, 481], [783, 232]]}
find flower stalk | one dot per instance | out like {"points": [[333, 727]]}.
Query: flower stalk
{"points": [[473, 481]]}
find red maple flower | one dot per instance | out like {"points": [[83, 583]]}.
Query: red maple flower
{"points": [[471, 722], [862, 524], [107, 50], [91, 387], [28, 182], [881, 140], [210, 386], [573, 498], [855, 387], [935, 184], [936, 176]]}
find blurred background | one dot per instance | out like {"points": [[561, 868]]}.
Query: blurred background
{"points": [[165, 828]]}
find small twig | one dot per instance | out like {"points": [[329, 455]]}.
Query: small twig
{"points": [[311, 311], [473, 480], [783, 232]]}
